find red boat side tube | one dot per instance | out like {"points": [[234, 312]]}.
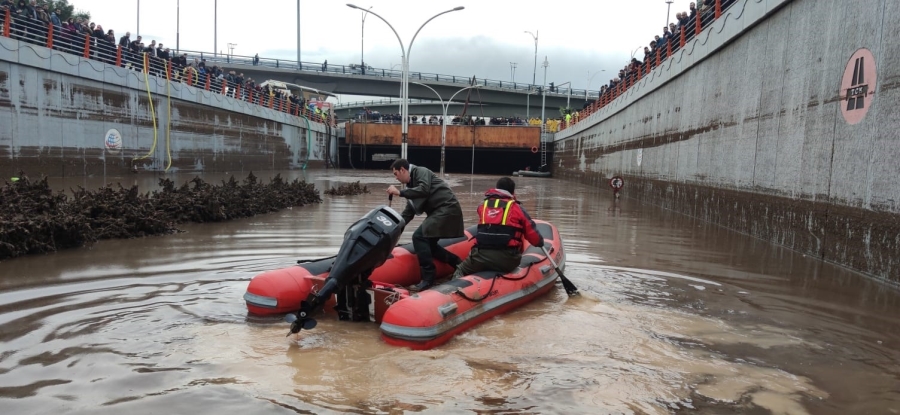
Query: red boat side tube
{"points": [[432, 317], [282, 290]]}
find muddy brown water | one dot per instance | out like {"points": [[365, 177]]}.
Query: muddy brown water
{"points": [[676, 316]]}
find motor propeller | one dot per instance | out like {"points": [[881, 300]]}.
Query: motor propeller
{"points": [[300, 320]]}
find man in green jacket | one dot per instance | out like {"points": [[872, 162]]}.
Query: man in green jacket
{"points": [[427, 193]]}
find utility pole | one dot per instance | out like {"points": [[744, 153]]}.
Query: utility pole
{"points": [[362, 43], [533, 74], [231, 50], [544, 92], [299, 65], [669, 2]]}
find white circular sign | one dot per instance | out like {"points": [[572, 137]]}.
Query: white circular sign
{"points": [[640, 156], [113, 141]]}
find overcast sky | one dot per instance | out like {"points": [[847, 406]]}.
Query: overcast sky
{"points": [[579, 38]]}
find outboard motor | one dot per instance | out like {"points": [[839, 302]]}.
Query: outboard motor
{"points": [[367, 244]]}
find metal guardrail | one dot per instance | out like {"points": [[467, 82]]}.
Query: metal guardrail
{"points": [[356, 69], [387, 101], [690, 30], [105, 50]]}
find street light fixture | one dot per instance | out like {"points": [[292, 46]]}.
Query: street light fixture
{"points": [[568, 91], [669, 9], [444, 120], [544, 92], [404, 82], [591, 79], [533, 74], [231, 50], [635, 51], [362, 43]]}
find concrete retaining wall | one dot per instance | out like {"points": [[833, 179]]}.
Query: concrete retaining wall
{"points": [[746, 127], [56, 110]]}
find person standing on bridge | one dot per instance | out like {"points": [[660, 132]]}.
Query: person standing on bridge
{"points": [[425, 192]]}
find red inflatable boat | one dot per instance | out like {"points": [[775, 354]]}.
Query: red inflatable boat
{"points": [[366, 282], [281, 291], [432, 317]]}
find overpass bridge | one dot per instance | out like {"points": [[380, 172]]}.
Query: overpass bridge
{"points": [[353, 80], [433, 107]]}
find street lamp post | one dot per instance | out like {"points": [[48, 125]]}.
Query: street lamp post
{"points": [[230, 51], [569, 91], [444, 123], [138, 18], [533, 74], [215, 27], [668, 10], [544, 92], [299, 65], [177, 26], [591, 79], [404, 82], [512, 71], [362, 42]]}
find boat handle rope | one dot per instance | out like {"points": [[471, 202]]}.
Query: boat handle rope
{"points": [[462, 294], [491, 289]]}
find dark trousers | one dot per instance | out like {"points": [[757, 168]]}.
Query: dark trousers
{"points": [[427, 250], [500, 260]]}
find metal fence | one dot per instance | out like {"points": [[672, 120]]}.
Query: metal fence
{"points": [[694, 26], [104, 49]]}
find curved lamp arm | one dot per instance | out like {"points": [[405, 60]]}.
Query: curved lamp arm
{"points": [[426, 22], [402, 48]]}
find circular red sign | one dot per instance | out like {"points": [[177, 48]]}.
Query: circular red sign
{"points": [[858, 86], [616, 182]]}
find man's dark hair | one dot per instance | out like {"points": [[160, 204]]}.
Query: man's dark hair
{"points": [[505, 183], [400, 164]]}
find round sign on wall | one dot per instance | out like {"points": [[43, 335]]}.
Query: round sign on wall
{"points": [[113, 141], [616, 183], [858, 86]]}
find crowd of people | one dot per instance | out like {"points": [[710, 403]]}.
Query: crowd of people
{"points": [[35, 22], [700, 14]]}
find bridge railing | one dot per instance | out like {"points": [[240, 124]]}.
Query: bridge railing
{"points": [[356, 69], [105, 50], [694, 26], [386, 101]]}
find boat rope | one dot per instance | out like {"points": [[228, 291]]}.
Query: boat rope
{"points": [[308, 141], [480, 298], [304, 261], [493, 280], [152, 111], [169, 118]]}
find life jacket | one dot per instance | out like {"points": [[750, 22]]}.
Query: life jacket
{"points": [[497, 224]]}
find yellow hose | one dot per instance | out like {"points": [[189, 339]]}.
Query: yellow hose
{"points": [[152, 111], [169, 118]]}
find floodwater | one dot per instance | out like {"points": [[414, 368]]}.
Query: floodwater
{"points": [[676, 316]]}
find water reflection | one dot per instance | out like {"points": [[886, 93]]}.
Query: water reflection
{"points": [[676, 316]]}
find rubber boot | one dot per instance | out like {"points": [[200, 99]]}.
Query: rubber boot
{"points": [[427, 281]]}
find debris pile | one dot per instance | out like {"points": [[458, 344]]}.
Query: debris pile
{"points": [[348, 189], [34, 219]]}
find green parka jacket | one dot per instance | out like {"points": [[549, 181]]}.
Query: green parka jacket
{"points": [[427, 193]]}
